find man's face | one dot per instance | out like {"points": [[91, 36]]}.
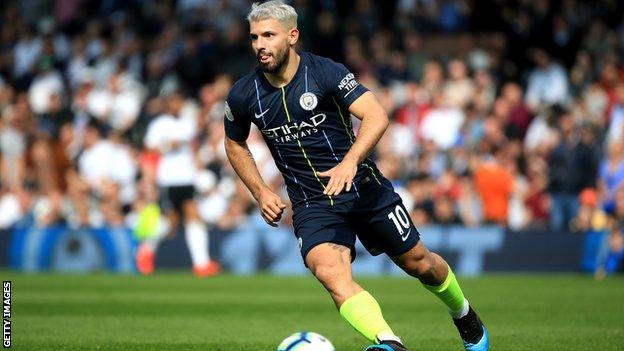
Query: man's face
{"points": [[271, 42], [174, 103]]}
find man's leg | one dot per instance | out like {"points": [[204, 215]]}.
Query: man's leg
{"points": [[196, 235], [331, 265], [436, 276]]}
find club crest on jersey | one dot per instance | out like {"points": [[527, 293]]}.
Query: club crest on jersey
{"points": [[308, 101]]}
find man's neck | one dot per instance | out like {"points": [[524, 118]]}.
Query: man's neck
{"points": [[286, 73]]}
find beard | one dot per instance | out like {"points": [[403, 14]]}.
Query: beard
{"points": [[279, 59]]}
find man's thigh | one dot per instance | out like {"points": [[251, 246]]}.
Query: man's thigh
{"points": [[319, 225], [330, 257]]}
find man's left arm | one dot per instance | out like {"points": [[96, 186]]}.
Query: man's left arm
{"points": [[374, 123]]}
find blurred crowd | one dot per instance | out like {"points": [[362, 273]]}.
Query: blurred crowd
{"points": [[503, 112]]}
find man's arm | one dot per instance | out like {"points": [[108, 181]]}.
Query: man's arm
{"points": [[374, 123], [242, 161]]}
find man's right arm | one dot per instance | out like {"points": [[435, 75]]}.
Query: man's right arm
{"points": [[242, 161], [237, 124]]}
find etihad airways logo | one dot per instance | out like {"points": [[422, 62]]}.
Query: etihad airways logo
{"points": [[295, 130]]}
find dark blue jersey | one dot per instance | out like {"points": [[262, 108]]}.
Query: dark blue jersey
{"points": [[306, 124]]}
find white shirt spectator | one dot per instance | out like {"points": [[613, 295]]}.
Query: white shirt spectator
{"points": [[176, 166], [212, 207], [547, 86], [117, 109], [44, 86], [539, 134], [10, 210], [99, 102], [442, 125], [108, 161], [125, 109], [398, 140]]}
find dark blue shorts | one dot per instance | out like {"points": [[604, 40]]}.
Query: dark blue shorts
{"points": [[376, 216]]}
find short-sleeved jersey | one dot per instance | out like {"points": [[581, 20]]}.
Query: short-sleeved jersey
{"points": [[306, 124]]}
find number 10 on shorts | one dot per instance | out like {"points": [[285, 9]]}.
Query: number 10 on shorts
{"points": [[401, 221]]}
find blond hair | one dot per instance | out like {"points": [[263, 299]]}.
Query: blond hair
{"points": [[274, 9]]}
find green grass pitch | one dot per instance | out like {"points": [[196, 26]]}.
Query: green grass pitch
{"points": [[176, 311]]}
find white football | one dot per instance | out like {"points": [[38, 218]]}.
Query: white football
{"points": [[306, 341]]}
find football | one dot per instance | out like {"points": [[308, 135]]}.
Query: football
{"points": [[306, 341]]}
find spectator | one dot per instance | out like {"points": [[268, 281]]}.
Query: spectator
{"points": [[106, 166], [519, 116], [494, 184], [572, 168], [172, 134], [548, 83], [459, 88], [469, 203], [536, 198], [442, 123]]}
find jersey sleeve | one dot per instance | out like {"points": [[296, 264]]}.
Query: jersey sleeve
{"points": [[237, 121], [341, 83]]}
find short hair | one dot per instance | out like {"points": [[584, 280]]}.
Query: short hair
{"points": [[274, 9]]}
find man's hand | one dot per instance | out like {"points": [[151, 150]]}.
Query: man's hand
{"points": [[271, 206], [340, 177]]}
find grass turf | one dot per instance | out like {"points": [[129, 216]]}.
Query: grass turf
{"points": [[176, 311]]}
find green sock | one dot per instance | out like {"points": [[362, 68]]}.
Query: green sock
{"points": [[451, 294], [364, 314]]}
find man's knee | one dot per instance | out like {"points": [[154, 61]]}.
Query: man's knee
{"points": [[337, 280], [417, 262], [418, 265], [331, 268], [329, 272]]}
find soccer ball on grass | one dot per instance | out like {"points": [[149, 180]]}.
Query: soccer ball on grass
{"points": [[306, 341]]}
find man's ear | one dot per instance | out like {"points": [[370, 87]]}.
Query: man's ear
{"points": [[293, 36]]}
